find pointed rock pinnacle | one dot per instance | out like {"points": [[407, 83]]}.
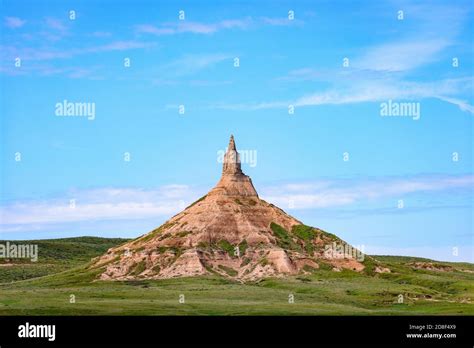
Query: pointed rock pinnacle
{"points": [[233, 181], [232, 143], [231, 160]]}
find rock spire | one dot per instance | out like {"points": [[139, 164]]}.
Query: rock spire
{"points": [[231, 160], [233, 181]]}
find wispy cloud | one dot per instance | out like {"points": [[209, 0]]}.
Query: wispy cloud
{"points": [[98, 204], [39, 59], [250, 106], [101, 34], [462, 104], [117, 46], [336, 193], [401, 56], [39, 54], [190, 64], [192, 27], [151, 29], [54, 29], [361, 86], [281, 21], [14, 22], [180, 82], [434, 29], [209, 83], [377, 90], [73, 72], [56, 24], [302, 74]]}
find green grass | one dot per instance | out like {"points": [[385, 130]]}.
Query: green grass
{"points": [[320, 292], [68, 249], [55, 255], [304, 232], [226, 246], [284, 240], [307, 235]]}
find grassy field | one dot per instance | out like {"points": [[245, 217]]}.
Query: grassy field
{"points": [[324, 292], [56, 255]]}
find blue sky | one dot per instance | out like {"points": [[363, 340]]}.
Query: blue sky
{"points": [[296, 160]]}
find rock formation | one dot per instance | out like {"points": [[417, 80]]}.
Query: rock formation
{"points": [[230, 232]]}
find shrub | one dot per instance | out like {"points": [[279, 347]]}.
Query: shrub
{"points": [[304, 232], [226, 246], [283, 238]]}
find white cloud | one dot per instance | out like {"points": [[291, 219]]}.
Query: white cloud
{"points": [[462, 104], [371, 89], [14, 22], [192, 27], [9, 52], [186, 26], [341, 193], [401, 56], [250, 106], [98, 204], [303, 74], [118, 46], [101, 34], [56, 24], [196, 28], [151, 29], [377, 90], [191, 64], [432, 29], [281, 21]]}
